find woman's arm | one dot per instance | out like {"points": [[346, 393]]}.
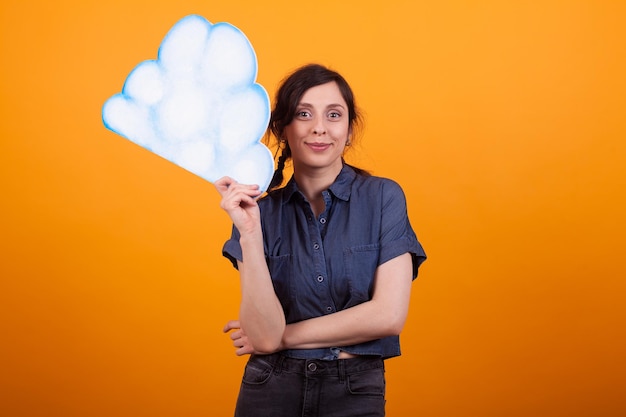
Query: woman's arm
{"points": [[260, 314], [384, 315]]}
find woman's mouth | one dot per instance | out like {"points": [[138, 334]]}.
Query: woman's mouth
{"points": [[318, 146]]}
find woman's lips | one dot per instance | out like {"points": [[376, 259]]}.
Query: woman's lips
{"points": [[316, 146]]}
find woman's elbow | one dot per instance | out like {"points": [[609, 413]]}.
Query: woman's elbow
{"points": [[266, 346], [267, 343], [395, 324]]}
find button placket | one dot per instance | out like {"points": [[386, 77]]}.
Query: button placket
{"points": [[317, 228]]}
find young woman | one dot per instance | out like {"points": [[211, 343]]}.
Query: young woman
{"points": [[326, 264]]}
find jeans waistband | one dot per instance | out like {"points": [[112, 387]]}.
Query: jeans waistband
{"points": [[318, 367]]}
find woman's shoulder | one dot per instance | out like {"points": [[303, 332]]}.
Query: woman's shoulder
{"points": [[384, 185], [272, 197]]}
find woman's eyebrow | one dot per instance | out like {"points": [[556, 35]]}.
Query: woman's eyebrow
{"points": [[328, 106]]}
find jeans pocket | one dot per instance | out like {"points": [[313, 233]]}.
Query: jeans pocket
{"points": [[257, 371], [370, 383]]}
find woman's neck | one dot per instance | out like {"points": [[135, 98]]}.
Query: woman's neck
{"points": [[312, 182]]}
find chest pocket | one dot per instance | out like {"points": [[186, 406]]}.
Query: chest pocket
{"points": [[360, 263]]}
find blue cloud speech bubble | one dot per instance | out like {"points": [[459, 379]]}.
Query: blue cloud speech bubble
{"points": [[198, 105]]}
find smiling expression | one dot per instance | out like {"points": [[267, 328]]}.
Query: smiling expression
{"points": [[318, 133]]}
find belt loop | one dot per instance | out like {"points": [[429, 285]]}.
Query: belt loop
{"points": [[279, 363], [341, 364]]}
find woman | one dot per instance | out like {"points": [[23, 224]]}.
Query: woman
{"points": [[326, 264]]}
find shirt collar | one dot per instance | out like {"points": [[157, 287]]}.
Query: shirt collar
{"points": [[341, 188]]}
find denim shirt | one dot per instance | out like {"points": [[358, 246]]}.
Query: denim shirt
{"points": [[326, 264]]}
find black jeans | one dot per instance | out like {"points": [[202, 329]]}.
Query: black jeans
{"points": [[278, 386]]}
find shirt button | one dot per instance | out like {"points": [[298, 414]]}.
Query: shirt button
{"points": [[312, 367], [320, 278], [329, 309], [316, 246], [323, 220]]}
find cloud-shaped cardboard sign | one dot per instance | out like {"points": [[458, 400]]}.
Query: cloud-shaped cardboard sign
{"points": [[198, 105]]}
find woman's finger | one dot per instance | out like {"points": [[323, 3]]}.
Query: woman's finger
{"points": [[245, 350], [228, 185], [230, 325], [223, 184]]}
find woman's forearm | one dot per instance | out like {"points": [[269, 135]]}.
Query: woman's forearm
{"points": [[384, 315], [358, 324], [261, 314]]}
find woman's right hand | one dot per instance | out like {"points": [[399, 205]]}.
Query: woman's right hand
{"points": [[239, 201]]}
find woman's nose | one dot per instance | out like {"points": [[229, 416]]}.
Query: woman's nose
{"points": [[318, 127]]}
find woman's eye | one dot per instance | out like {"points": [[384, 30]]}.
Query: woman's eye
{"points": [[303, 113], [334, 115]]}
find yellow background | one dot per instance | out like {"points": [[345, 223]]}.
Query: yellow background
{"points": [[504, 121]]}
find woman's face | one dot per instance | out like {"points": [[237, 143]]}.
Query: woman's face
{"points": [[318, 133]]}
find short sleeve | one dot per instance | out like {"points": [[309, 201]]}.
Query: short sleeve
{"points": [[232, 249], [397, 235]]}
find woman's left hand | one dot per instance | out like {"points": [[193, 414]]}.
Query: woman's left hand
{"points": [[239, 338]]}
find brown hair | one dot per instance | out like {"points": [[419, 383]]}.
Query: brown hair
{"points": [[287, 99]]}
